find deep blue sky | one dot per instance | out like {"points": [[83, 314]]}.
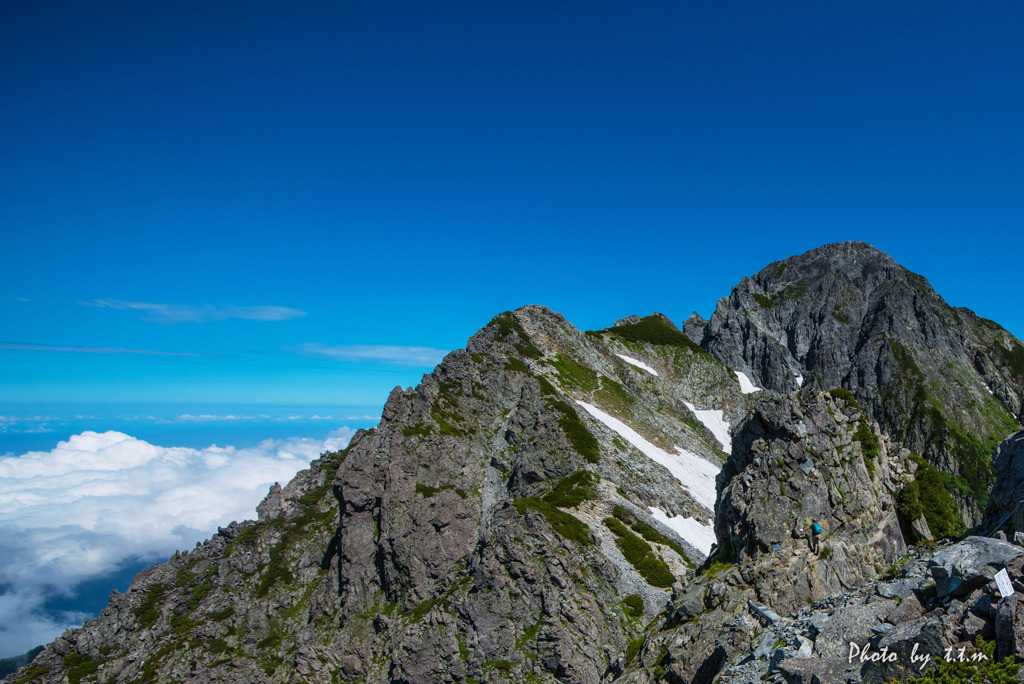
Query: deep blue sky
{"points": [[398, 173]]}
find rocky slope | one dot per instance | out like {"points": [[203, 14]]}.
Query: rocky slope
{"points": [[946, 383], [616, 505]]}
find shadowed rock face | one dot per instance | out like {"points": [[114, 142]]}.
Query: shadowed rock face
{"points": [[945, 382], [1005, 504], [506, 520]]}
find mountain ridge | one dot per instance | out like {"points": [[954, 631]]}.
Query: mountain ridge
{"points": [[537, 508]]}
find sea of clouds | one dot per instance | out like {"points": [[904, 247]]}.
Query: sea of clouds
{"points": [[98, 501]]}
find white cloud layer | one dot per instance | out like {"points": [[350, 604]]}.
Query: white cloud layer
{"points": [[185, 313], [99, 500], [404, 356]]}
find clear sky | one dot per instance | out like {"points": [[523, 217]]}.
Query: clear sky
{"points": [[241, 224], [261, 194]]}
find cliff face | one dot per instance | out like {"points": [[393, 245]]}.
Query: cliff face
{"points": [[811, 459], [947, 384], [614, 505]]}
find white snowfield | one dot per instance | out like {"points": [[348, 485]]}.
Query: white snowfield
{"points": [[700, 535], [714, 420], [746, 386], [639, 364], [696, 475]]}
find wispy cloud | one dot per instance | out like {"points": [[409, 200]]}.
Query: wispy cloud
{"points": [[209, 417], [404, 356], [26, 425], [188, 417], [6, 429], [28, 346], [170, 314], [98, 500]]}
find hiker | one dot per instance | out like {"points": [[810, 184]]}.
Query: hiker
{"points": [[813, 532]]}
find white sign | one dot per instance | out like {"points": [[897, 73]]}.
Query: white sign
{"points": [[1003, 582]]}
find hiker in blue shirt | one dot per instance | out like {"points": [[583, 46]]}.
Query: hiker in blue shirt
{"points": [[813, 533]]}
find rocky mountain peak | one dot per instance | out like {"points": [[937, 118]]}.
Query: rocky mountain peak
{"points": [[807, 313], [853, 258], [843, 281], [847, 315]]}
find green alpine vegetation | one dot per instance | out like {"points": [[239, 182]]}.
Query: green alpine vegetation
{"points": [[574, 375], [574, 489], [640, 555], [928, 495], [634, 606], [655, 330], [1014, 358], [614, 396], [565, 524], [649, 533], [585, 444], [510, 329], [980, 667], [845, 395], [771, 299]]}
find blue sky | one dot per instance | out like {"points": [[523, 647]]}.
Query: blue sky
{"points": [[397, 173], [242, 224]]}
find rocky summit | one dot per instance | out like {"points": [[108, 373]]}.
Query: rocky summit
{"points": [[944, 382], [634, 504]]}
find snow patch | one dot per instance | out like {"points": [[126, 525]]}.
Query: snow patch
{"points": [[746, 386], [701, 536], [639, 364], [714, 420], [696, 475], [799, 381]]}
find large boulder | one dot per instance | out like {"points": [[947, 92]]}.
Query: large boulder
{"points": [[963, 567], [850, 625], [906, 650]]}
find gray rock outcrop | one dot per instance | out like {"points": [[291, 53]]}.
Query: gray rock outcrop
{"points": [[797, 461]]}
